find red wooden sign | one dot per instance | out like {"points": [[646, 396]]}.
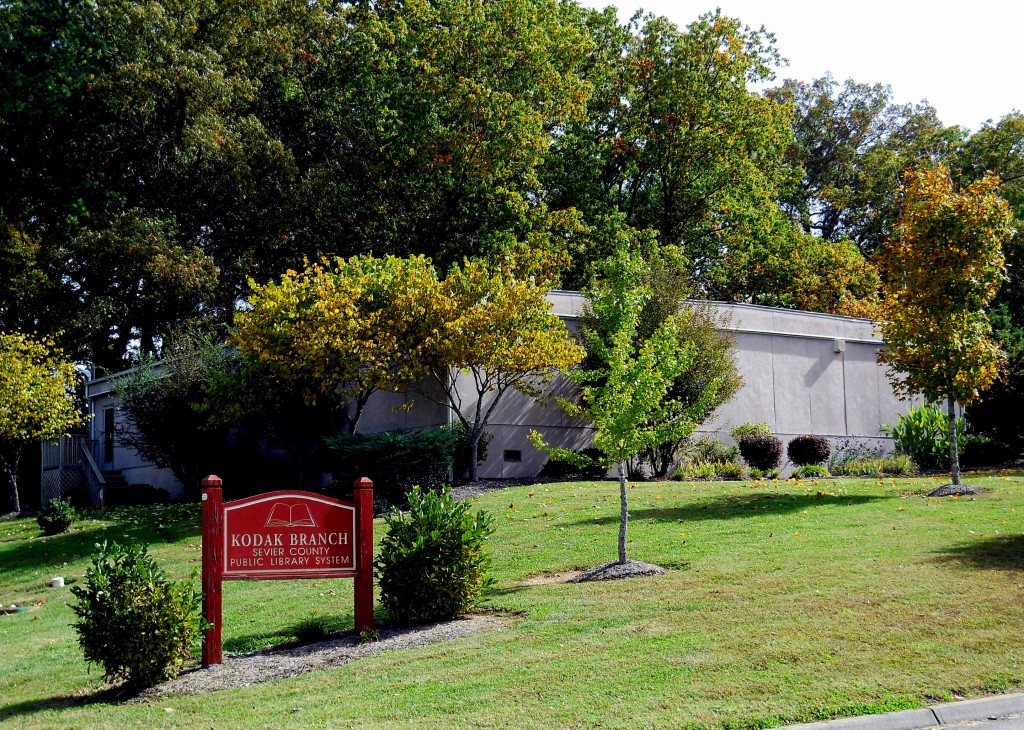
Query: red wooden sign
{"points": [[289, 535], [285, 535]]}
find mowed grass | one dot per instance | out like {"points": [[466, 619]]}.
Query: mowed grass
{"points": [[786, 602]]}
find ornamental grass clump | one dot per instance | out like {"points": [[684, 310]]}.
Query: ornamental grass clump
{"points": [[132, 621], [432, 565]]}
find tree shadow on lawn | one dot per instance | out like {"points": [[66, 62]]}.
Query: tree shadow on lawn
{"points": [[748, 505], [1005, 552], [131, 525], [106, 693]]}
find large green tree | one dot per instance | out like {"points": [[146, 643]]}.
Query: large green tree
{"points": [[674, 140], [940, 273], [851, 144]]}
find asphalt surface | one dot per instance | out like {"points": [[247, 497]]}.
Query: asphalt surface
{"points": [[1002, 712]]}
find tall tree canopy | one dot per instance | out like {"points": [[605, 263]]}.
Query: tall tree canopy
{"points": [[851, 144]]}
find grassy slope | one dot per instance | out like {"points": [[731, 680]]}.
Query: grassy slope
{"points": [[786, 602]]}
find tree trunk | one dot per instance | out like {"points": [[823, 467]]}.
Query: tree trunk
{"points": [[474, 449], [10, 466], [624, 513], [954, 452]]}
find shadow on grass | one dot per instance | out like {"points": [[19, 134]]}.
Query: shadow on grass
{"points": [[1005, 552], [127, 525], [308, 631], [116, 694], [729, 508]]}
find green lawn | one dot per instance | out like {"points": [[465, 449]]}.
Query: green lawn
{"points": [[786, 602]]}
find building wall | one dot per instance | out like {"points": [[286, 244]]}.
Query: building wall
{"points": [[803, 373]]}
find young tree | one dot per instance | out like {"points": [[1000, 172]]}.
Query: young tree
{"points": [[667, 278], [940, 272], [37, 400], [625, 396], [491, 333]]}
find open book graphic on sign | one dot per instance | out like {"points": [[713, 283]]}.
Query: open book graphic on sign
{"points": [[297, 515]]}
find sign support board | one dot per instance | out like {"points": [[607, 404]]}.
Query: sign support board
{"points": [[284, 535]]}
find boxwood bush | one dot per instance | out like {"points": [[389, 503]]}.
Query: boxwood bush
{"points": [[132, 621], [805, 450], [56, 517], [432, 565], [761, 452]]}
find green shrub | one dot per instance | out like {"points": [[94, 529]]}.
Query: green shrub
{"points": [[709, 471], [715, 452], [761, 452], [764, 473], [695, 470], [979, 451], [432, 565], [731, 472], [132, 621], [897, 465], [923, 435], [56, 517], [592, 465], [751, 429], [810, 471], [805, 450], [396, 461]]}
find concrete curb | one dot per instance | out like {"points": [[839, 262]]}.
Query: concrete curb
{"points": [[986, 708]]}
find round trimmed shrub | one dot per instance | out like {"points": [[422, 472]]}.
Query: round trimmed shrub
{"points": [[805, 450], [761, 452], [132, 621], [432, 565], [56, 517]]}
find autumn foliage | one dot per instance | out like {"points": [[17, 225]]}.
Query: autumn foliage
{"points": [[941, 272], [37, 399]]}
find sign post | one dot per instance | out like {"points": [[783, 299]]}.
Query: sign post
{"points": [[213, 523], [285, 535]]}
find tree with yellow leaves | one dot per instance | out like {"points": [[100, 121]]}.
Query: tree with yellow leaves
{"points": [[940, 272], [340, 330], [37, 400], [490, 333]]}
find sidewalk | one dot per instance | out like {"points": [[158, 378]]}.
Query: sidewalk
{"points": [[986, 708]]}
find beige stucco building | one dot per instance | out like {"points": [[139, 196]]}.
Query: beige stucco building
{"points": [[803, 372]]}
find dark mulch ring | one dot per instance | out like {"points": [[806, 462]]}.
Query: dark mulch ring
{"points": [[956, 490], [617, 571]]}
